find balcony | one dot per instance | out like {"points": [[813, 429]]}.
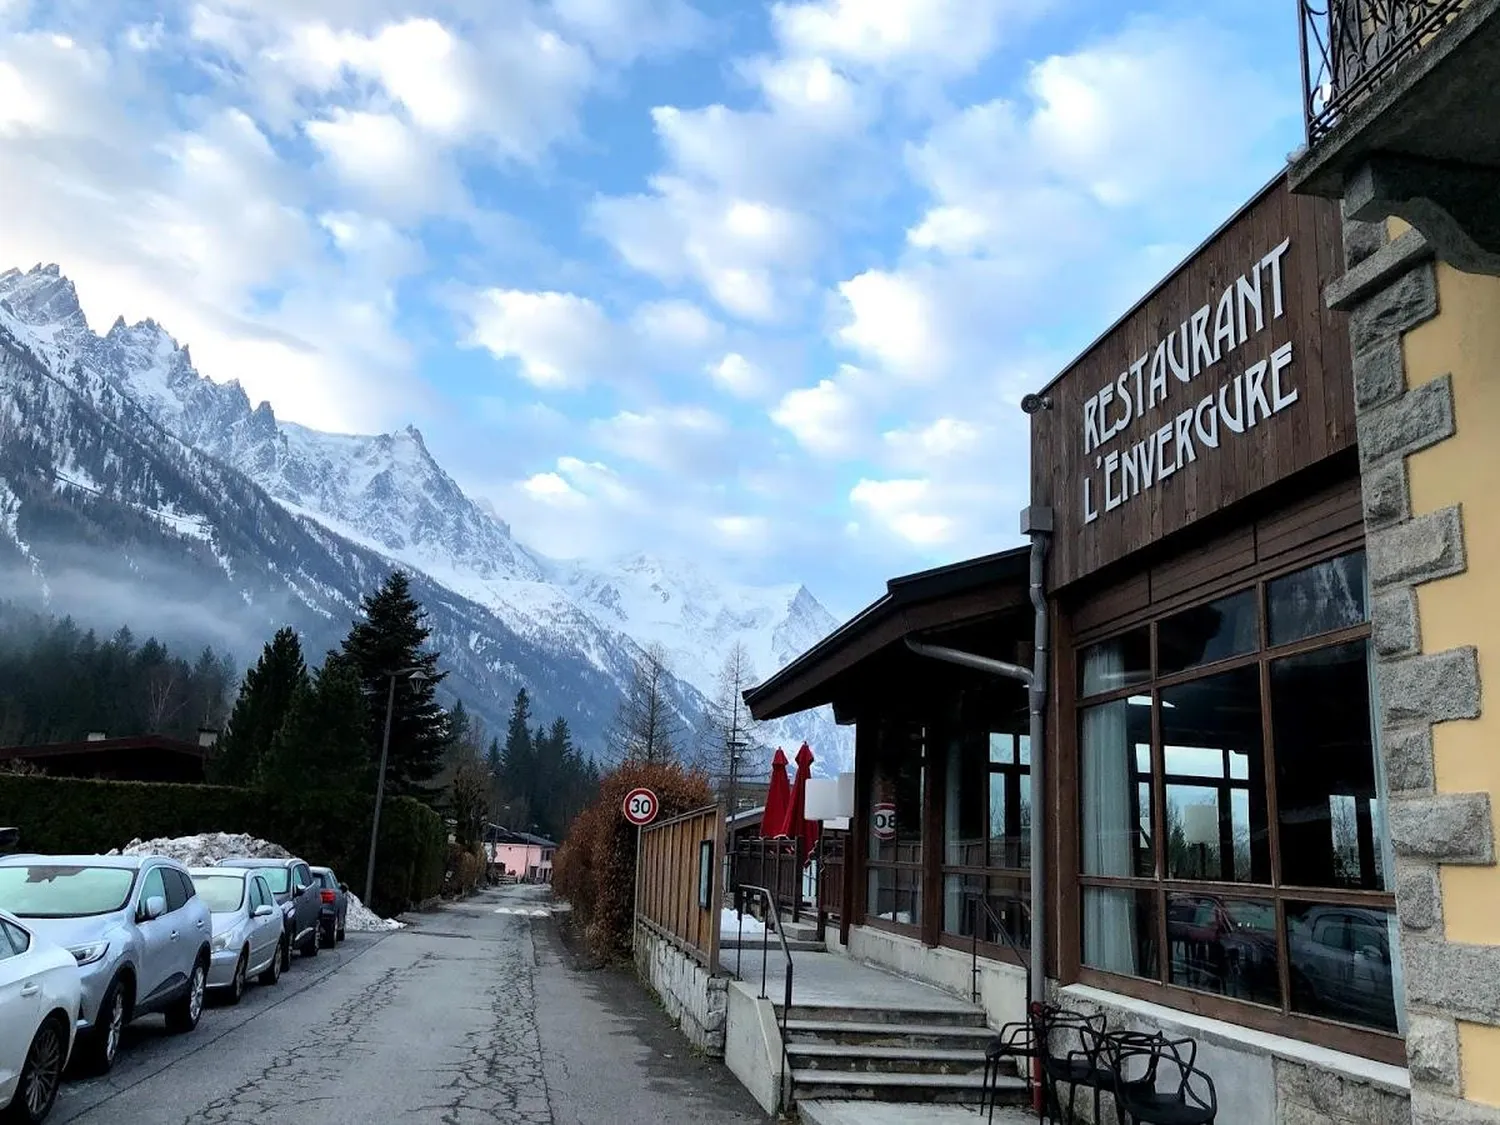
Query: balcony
{"points": [[1402, 104]]}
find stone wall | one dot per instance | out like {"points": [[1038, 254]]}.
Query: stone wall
{"points": [[697, 1001], [1390, 291]]}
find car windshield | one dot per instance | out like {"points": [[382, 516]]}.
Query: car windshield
{"points": [[277, 878], [56, 891], [327, 880], [222, 893]]}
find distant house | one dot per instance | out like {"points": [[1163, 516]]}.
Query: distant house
{"points": [[150, 757], [526, 857]]}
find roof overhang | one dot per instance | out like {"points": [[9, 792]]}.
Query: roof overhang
{"points": [[913, 604]]}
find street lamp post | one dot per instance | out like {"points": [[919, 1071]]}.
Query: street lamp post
{"points": [[414, 675]]}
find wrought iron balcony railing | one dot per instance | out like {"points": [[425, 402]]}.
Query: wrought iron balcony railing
{"points": [[1350, 46]]}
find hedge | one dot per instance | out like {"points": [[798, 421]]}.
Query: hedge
{"points": [[594, 869], [68, 816]]}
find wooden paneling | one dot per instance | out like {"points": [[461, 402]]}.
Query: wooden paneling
{"points": [[1092, 531], [667, 881], [1281, 537]]}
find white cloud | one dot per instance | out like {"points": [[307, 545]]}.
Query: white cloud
{"points": [[676, 326], [553, 489], [943, 439], [832, 418], [949, 36], [622, 30], [671, 439], [894, 320], [906, 507], [386, 162], [740, 377], [558, 340]]}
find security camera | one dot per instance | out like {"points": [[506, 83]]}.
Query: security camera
{"points": [[1032, 403]]}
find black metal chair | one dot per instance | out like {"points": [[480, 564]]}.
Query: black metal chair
{"points": [[1081, 1061], [1017, 1043], [1142, 1101]]}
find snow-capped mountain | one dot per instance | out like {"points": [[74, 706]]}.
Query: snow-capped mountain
{"points": [[384, 497]]}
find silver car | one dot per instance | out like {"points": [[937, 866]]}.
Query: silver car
{"points": [[137, 928], [248, 931]]}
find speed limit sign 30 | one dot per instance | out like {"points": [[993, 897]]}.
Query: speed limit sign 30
{"points": [[641, 807]]}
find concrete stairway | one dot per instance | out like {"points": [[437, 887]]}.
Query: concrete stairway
{"points": [[891, 1055], [801, 937]]}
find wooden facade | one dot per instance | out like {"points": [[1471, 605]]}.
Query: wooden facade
{"points": [[1140, 441], [679, 866]]}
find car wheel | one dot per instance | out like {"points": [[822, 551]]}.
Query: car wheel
{"points": [[237, 984], [184, 1014], [309, 947], [97, 1050], [41, 1074], [329, 935], [286, 953], [272, 972]]}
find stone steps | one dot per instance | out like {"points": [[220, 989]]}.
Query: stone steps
{"points": [[890, 1058], [821, 1085], [794, 945], [886, 1034]]}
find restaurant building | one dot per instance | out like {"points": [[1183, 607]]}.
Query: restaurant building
{"points": [[1137, 766]]}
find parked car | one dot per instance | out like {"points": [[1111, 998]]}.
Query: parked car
{"points": [[296, 891], [333, 911], [136, 927], [41, 989], [248, 929]]}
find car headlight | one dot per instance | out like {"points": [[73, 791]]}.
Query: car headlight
{"points": [[221, 942], [88, 954]]}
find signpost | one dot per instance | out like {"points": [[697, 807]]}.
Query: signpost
{"points": [[640, 808], [883, 820]]}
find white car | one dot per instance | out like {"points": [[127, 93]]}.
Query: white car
{"points": [[248, 933], [41, 991]]}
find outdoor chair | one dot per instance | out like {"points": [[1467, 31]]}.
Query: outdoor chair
{"points": [[1016, 1042], [1081, 1061], [1192, 1100]]}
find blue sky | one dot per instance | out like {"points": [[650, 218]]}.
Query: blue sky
{"points": [[756, 284]]}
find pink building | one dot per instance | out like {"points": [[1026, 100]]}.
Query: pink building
{"points": [[521, 855]]}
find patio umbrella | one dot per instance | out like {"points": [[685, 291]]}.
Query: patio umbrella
{"points": [[778, 811], [797, 823]]}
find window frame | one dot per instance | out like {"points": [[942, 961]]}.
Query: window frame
{"points": [[1355, 1038]]}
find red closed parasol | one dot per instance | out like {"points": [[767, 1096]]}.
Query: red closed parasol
{"points": [[797, 823], [778, 811]]}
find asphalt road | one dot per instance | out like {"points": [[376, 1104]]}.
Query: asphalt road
{"points": [[475, 1014]]}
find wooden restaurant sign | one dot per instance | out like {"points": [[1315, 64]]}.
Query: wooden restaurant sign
{"points": [[1227, 378]]}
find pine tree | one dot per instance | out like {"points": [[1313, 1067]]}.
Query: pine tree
{"points": [[323, 742], [518, 760], [390, 638], [729, 734], [492, 759], [264, 700]]}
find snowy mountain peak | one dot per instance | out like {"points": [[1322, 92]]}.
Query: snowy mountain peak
{"points": [[387, 493], [42, 298]]}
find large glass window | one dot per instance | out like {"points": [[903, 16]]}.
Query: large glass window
{"points": [[1232, 833], [987, 819], [897, 794]]}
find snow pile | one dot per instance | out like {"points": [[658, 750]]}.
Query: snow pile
{"points": [[364, 920], [729, 925], [205, 849]]}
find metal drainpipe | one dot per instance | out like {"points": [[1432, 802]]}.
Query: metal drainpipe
{"points": [[1037, 523]]}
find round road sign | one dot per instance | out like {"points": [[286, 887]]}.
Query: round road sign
{"points": [[641, 807]]}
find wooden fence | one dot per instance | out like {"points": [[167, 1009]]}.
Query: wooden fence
{"points": [[679, 882]]}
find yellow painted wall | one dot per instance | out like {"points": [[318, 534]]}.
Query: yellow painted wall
{"points": [[1464, 341]]}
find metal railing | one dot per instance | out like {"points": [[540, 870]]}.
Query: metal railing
{"points": [[1350, 46], [981, 903], [772, 917]]}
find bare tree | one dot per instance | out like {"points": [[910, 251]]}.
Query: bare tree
{"points": [[164, 699], [647, 728], [730, 733]]}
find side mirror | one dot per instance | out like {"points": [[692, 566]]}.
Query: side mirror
{"points": [[154, 907], [263, 912]]}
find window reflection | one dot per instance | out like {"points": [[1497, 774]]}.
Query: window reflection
{"points": [[1119, 932], [1321, 599], [1208, 633], [1224, 945], [1115, 788], [1114, 664], [1331, 818], [1213, 755], [1341, 963]]}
